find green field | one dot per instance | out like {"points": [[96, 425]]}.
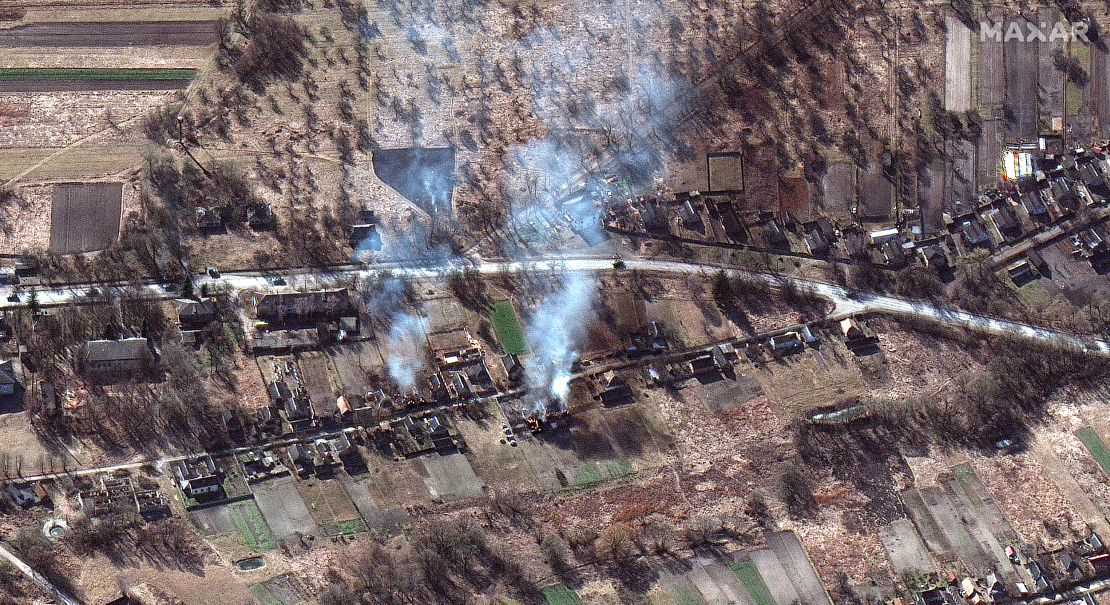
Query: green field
{"points": [[600, 472], [560, 595], [345, 528], [248, 520], [508, 328], [686, 595], [1095, 445], [753, 583], [76, 74]]}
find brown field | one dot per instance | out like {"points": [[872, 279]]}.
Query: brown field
{"points": [[85, 217], [82, 162], [71, 35], [135, 12], [177, 57], [90, 85], [25, 223], [42, 120]]}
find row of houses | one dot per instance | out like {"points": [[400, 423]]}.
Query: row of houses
{"points": [[1060, 189]]}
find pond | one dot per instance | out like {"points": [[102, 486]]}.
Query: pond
{"points": [[251, 564]]}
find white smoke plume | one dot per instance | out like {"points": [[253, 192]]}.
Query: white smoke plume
{"points": [[405, 350], [555, 331]]}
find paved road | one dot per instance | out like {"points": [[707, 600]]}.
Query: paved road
{"points": [[847, 301]]}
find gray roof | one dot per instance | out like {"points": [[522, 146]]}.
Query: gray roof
{"points": [[117, 350], [7, 372]]}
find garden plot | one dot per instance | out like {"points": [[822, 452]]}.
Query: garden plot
{"points": [[449, 478], [87, 79], [214, 521], [283, 509], [955, 524], [957, 65], [907, 553], [85, 217], [560, 595], [1021, 67], [750, 577], [718, 584], [675, 590], [395, 484], [248, 519], [789, 551], [800, 383], [509, 331], [775, 576], [838, 187], [384, 522], [331, 508], [1096, 447], [992, 74]]}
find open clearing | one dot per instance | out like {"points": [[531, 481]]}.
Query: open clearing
{"points": [[85, 217]]}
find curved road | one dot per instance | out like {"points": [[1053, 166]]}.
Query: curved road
{"points": [[847, 301]]}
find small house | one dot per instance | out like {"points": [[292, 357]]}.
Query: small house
{"points": [[117, 358]]}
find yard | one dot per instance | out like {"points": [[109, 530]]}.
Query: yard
{"points": [[508, 328]]}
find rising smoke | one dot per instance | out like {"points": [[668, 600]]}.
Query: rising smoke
{"points": [[588, 130], [555, 332], [387, 301], [406, 350]]}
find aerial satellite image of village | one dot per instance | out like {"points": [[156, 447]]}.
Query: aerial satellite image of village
{"points": [[554, 302]]}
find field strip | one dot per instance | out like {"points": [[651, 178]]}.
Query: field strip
{"points": [[67, 74], [78, 143], [110, 15], [108, 57]]}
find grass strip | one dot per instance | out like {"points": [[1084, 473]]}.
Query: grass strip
{"points": [[508, 328]]}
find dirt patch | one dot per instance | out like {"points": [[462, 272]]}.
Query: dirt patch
{"points": [[25, 221]]}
